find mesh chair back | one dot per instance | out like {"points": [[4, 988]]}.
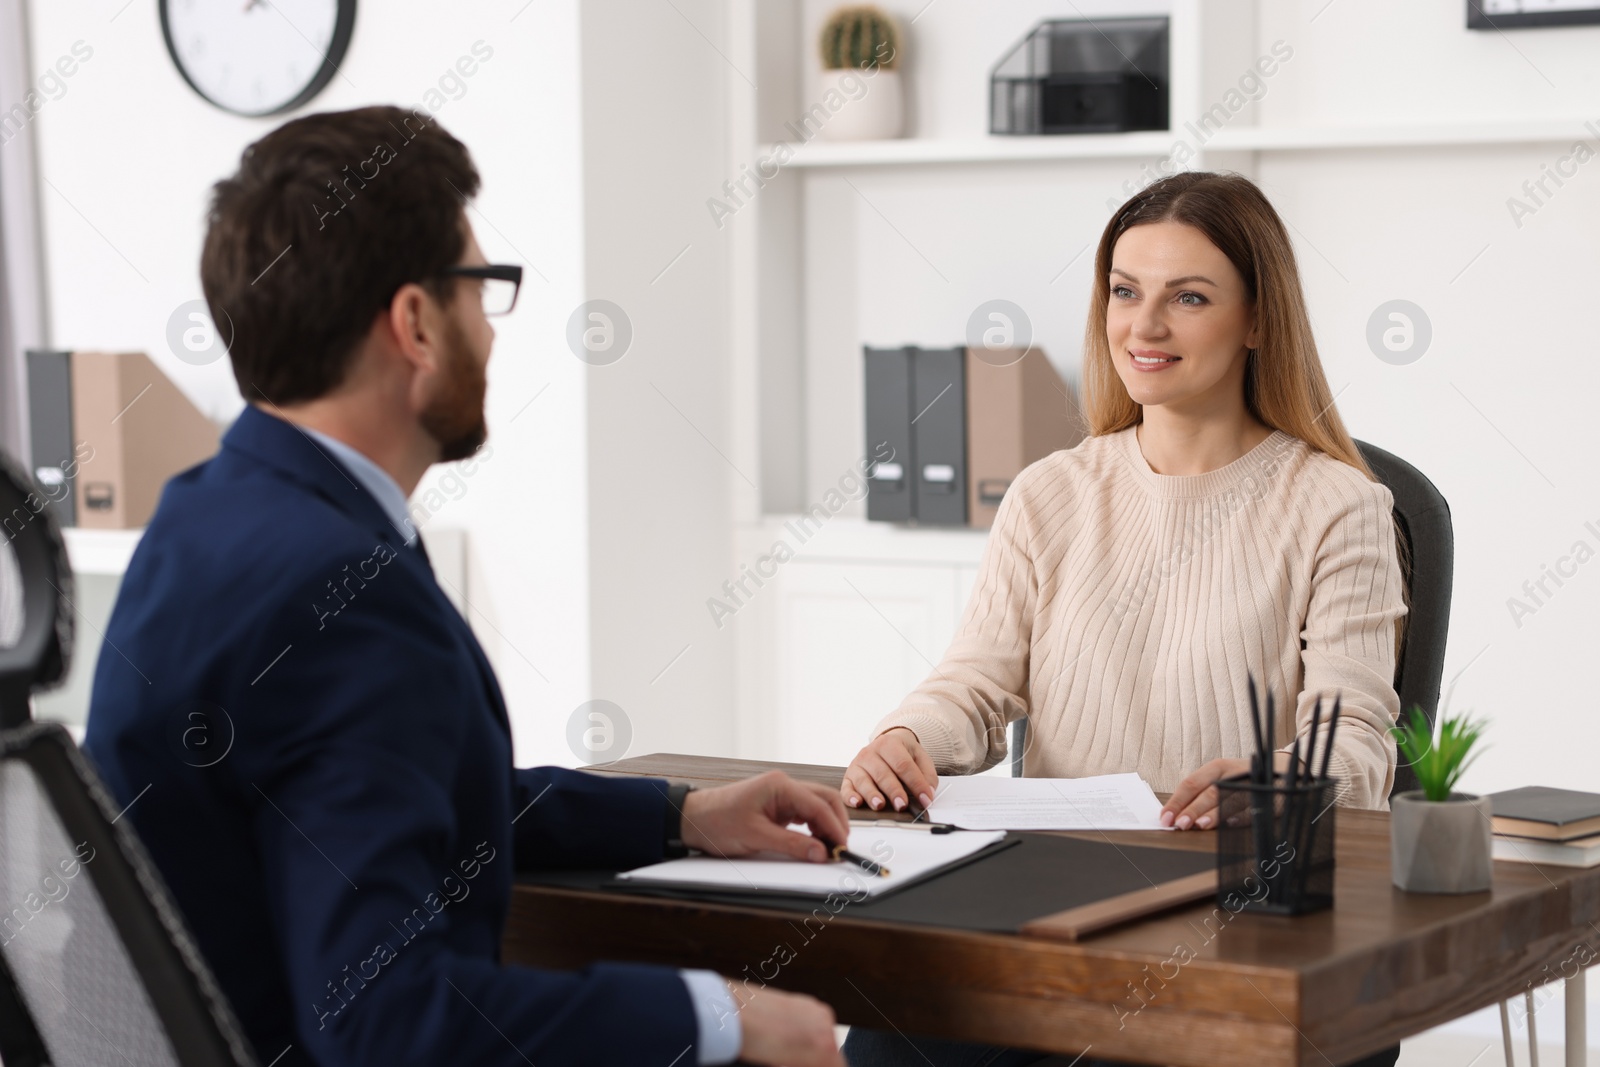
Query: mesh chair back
{"points": [[1428, 562], [66, 960], [97, 954]]}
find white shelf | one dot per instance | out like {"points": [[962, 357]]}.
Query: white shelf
{"points": [[975, 150], [1413, 135], [817, 154], [100, 551]]}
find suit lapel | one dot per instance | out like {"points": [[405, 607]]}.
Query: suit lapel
{"points": [[283, 446]]}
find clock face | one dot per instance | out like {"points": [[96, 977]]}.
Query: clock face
{"points": [[257, 57]]}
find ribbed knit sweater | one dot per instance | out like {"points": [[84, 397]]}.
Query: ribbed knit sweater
{"points": [[1122, 612]]}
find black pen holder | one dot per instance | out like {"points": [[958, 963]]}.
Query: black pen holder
{"points": [[1275, 845]]}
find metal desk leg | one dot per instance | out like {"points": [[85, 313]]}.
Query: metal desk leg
{"points": [[1577, 1028]]}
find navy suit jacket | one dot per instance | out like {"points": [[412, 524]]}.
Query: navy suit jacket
{"points": [[318, 758]]}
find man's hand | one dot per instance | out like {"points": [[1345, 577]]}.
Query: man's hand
{"points": [[784, 1029], [893, 768], [750, 816]]}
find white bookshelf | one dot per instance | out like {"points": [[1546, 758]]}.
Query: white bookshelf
{"points": [[100, 552], [798, 325], [807, 288], [1005, 149]]}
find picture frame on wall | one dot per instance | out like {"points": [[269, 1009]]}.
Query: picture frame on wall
{"points": [[1519, 14]]}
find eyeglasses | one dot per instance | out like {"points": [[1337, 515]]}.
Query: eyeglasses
{"points": [[499, 286]]}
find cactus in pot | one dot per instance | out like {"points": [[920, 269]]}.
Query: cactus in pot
{"points": [[860, 37], [862, 98]]}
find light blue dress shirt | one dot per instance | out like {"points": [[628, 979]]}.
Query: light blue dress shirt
{"points": [[716, 1016], [373, 478]]}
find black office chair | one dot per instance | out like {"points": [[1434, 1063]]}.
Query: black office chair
{"points": [[96, 965], [1428, 565]]}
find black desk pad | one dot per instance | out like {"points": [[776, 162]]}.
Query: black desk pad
{"points": [[1026, 877]]}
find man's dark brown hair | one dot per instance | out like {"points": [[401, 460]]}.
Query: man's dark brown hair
{"points": [[327, 216]]}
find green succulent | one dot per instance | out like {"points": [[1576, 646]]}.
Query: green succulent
{"points": [[1439, 764], [859, 38]]}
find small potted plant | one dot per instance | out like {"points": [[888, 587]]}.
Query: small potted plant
{"points": [[1440, 840], [861, 91]]}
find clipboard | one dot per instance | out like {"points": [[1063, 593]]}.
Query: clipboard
{"points": [[1026, 879]]}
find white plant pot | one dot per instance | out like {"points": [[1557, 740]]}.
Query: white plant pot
{"points": [[860, 105], [1441, 846]]}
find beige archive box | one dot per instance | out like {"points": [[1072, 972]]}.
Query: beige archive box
{"points": [[1018, 411], [143, 430]]}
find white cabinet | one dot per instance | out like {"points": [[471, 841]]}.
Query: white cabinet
{"points": [[835, 640], [852, 639]]}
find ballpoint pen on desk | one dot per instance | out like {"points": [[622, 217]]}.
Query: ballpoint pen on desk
{"points": [[908, 824], [839, 852]]}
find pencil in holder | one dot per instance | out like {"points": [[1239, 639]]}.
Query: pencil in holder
{"points": [[1275, 844]]}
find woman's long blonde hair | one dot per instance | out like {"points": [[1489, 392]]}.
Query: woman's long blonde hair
{"points": [[1284, 385]]}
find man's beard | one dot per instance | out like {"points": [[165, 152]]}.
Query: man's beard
{"points": [[454, 417]]}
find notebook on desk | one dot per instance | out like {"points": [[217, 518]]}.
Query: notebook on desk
{"points": [[908, 855]]}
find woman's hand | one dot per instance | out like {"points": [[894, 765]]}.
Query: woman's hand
{"points": [[893, 768], [1193, 805]]}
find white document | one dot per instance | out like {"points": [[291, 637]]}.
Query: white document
{"points": [[908, 854], [1104, 802]]}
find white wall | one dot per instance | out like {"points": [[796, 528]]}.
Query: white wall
{"points": [[1499, 411], [661, 482], [127, 155]]}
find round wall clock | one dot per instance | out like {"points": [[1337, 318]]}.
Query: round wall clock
{"points": [[257, 57]]}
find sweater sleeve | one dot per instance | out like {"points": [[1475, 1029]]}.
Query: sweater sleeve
{"points": [[961, 710], [1348, 645]]}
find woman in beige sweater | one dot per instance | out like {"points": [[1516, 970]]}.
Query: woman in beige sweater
{"points": [[1217, 523]]}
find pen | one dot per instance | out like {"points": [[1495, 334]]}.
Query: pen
{"points": [[839, 852], [931, 827], [1333, 726]]}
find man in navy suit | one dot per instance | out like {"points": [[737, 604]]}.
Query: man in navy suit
{"points": [[308, 738]]}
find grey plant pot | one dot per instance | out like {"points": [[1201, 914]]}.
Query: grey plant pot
{"points": [[1440, 846]]}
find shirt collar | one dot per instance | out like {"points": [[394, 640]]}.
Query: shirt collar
{"points": [[374, 479]]}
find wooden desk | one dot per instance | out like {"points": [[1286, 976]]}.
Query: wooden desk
{"points": [[1198, 986]]}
